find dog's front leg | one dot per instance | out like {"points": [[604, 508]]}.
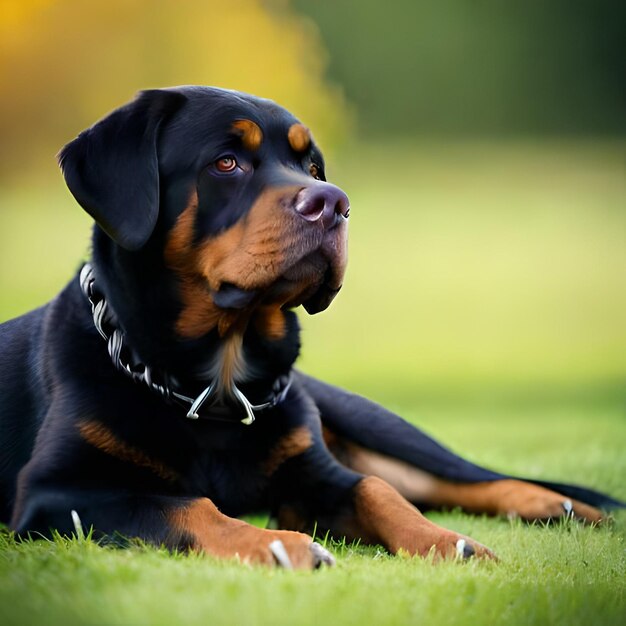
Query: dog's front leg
{"points": [[179, 523], [315, 490]]}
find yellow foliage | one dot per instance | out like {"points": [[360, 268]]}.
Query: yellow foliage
{"points": [[15, 13], [65, 63]]}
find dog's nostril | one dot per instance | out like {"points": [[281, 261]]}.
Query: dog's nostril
{"points": [[342, 208], [315, 208], [322, 201], [310, 206]]}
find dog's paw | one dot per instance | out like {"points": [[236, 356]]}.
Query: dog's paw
{"points": [[459, 547], [432, 541], [286, 549], [320, 556], [532, 502]]}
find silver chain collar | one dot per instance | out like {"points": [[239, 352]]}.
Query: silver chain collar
{"points": [[105, 322]]}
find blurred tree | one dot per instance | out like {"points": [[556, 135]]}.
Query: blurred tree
{"points": [[479, 67], [65, 63]]}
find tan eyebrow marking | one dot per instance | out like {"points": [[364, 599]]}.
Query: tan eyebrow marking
{"points": [[299, 137], [250, 133]]}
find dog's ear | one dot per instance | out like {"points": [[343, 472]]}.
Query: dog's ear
{"points": [[112, 168]]}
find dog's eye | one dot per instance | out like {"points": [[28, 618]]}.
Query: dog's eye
{"points": [[314, 171], [225, 164]]}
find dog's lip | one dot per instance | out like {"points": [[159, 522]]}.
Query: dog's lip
{"points": [[313, 279], [230, 296], [335, 250], [321, 298]]}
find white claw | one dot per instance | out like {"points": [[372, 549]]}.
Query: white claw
{"points": [[322, 554], [568, 508], [280, 554], [460, 547]]}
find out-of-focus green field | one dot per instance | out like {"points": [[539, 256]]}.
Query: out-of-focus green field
{"points": [[481, 268], [475, 269]]}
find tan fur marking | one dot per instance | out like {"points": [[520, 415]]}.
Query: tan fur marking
{"points": [[230, 366], [199, 315], [181, 236], [250, 133], [383, 516], [101, 437], [514, 498], [332, 441], [292, 444], [217, 252], [255, 251], [270, 322], [226, 321], [208, 528], [411, 482], [216, 534], [299, 137]]}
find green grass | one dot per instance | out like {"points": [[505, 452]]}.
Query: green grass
{"points": [[567, 575], [485, 300]]}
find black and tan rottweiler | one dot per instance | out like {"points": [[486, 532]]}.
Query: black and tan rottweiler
{"points": [[155, 397]]}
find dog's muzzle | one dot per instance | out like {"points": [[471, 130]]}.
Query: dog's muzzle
{"points": [[328, 206]]}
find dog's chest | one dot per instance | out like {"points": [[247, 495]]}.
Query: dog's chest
{"points": [[232, 466]]}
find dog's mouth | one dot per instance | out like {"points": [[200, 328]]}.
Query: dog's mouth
{"points": [[312, 280]]}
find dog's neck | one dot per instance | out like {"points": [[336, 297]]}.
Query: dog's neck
{"points": [[143, 293]]}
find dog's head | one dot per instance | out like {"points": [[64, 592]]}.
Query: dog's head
{"points": [[233, 189]]}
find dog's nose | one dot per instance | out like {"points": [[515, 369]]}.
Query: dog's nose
{"points": [[322, 201]]}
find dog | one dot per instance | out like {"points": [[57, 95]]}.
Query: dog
{"points": [[155, 397]]}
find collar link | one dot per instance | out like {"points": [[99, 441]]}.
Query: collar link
{"points": [[126, 361]]}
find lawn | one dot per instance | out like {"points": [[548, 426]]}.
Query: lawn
{"points": [[485, 300]]}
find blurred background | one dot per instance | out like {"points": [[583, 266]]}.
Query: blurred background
{"points": [[482, 145]]}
